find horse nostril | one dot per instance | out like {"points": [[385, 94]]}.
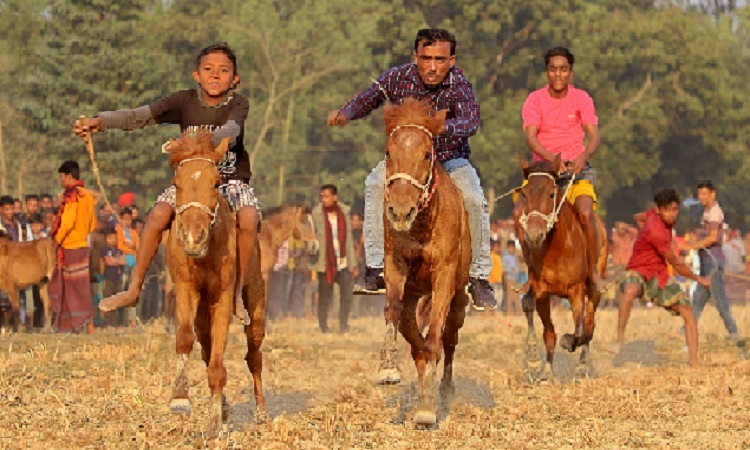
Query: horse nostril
{"points": [[390, 211], [202, 236], [412, 213]]}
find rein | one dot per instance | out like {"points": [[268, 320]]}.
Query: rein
{"points": [[427, 191], [182, 208], [551, 218]]}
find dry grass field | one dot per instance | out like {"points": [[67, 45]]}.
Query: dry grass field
{"points": [[112, 390]]}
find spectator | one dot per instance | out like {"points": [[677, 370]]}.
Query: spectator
{"points": [[136, 213], [45, 201], [8, 222], [336, 260], [113, 264], [138, 225], [496, 274], [511, 278], [734, 252], [69, 289], [127, 242]]}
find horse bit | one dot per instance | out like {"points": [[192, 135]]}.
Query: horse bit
{"points": [[551, 218], [182, 208], [427, 193]]}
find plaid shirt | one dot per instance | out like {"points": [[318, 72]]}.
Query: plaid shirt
{"points": [[455, 94]]}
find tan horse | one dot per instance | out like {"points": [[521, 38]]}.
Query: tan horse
{"points": [[201, 253], [427, 253], [23, 264], [554, 247], [279, 224]]}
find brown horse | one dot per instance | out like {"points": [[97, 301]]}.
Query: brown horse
{"points": [[427, 252], [554, 247], [24, 264], [201, 253], [279, 224]]}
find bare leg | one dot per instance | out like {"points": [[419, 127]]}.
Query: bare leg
{"points": [[247, 231], [158, 221], [585, 208], [691, 331], [630, 292]]}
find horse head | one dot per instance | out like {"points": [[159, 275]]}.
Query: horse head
{"points": [[410, 160], [542, 198], [197, 179]]}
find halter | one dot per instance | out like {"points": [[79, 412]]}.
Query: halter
{"points": [[551, 218], [427, 193], [182, 208]]}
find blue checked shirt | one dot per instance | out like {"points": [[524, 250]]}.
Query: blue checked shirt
{"points": [[455, 94]]}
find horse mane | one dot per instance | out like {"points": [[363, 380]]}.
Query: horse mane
{"points": [[410, 112], [540, 167], [191, 145], [284, 207]]}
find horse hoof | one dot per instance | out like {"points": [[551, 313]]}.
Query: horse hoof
{"points": [[224, 409], [425, 418], [582, 372], [447, 389], [568, 342], [179, 406], [389, 376], [261, 416]]}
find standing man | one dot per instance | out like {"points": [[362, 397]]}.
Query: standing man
{"points": [[710, 240], [69, 289], [554, 120], [8, 223], [647, 276], [431, 77], [337, 262]]}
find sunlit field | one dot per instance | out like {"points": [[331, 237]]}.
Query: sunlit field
{"points": [[112, 390]]}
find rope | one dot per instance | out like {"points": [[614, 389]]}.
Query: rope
{"points": [[95, 168]]}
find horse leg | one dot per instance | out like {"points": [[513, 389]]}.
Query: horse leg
{"points": [[577, 298], [221, 314], [15, 304], [44, 295], [453, 323], [546, 372], [533, 361], [255, 301], [583, 368], [388, 372], [187, 300], [442, 296]]}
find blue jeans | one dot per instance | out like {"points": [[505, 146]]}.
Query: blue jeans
{"points": [[467, 180], [718, 292]]}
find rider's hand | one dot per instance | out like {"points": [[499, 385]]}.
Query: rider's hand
{"points": [[705, 282], [87, 125], [336, 118], [578, 164]]}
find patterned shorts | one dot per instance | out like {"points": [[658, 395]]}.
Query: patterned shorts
{"points": [[671, 295], [237, 193]]}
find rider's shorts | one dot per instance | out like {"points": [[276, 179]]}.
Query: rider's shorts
{"points": [[671, 295], [238, 194], [582, 186]]}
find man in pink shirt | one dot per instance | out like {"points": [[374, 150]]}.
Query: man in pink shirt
{"points": [[554, 120]]}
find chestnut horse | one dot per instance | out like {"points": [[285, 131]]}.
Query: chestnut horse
{"points": [[279, 224], [24, 264], [427, 252], [554, 247], [201, 254]]}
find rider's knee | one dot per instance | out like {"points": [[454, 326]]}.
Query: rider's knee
{"points": [[376, 178], [247, 218], [160, 214]]}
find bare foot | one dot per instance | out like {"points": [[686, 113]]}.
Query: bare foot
{"points": [[695, 363], [90, 328], [119, 300]]}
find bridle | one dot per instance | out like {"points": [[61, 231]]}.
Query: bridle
{"points": [[182, 208], [551, 218], [427, 192]]}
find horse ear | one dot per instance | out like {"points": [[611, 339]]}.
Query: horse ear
{"points": [[524, 165], [440, 115], [557, 163], [221, 149]]}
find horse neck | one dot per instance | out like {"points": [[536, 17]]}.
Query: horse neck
{"points": [[556, 238]]}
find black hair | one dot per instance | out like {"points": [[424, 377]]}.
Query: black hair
{"points": [[35, 218], [108, 231], [6, 200], [511, 242], [32, 197], [429, 36], [665, 197], [559, 51], [330, 187], [707, 184], [136, 222], [45, 196], [70, 168], [126, 210], [219, 47]]}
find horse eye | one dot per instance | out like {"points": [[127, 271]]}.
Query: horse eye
{"points": [[552, 195], [387, 154]]}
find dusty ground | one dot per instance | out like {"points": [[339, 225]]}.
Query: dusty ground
{"points": [[112, 391]]}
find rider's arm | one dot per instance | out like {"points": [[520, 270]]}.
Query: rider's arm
{"points": [[590, 123], [532, 121], [535, 146], [239, 107], [466, 120], [592, 130], [165, 110], [371, 98]]}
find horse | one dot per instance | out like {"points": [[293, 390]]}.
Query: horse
{"points": [[279, 224], [554, 247], [23, 264], [201, 258], [427, 253]]}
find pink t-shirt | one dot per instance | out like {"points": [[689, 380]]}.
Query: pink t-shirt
{"points": [[560, 121]]}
